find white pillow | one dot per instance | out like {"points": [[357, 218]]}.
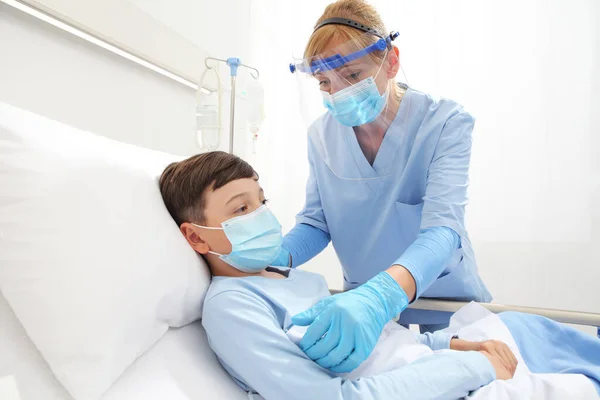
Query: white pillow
{"points": [[90, 260]]}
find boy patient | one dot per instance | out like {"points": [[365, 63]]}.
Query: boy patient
{"points": [[216, 200]]}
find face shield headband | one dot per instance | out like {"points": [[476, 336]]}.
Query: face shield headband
{"points": [[337, 60]]}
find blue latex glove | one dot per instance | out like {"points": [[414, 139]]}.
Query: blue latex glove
{"points": [[345, 328]]}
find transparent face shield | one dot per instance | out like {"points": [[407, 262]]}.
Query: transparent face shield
{"points": [[349, 82]]}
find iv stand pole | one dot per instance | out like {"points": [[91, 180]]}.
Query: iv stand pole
{"points": [[233, 64]]}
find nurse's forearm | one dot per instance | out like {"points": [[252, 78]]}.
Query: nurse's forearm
{"points": [[405, 280], [424, 260], [304, 242]]}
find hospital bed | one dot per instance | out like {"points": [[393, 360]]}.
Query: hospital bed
{"points": [[181, 366]]}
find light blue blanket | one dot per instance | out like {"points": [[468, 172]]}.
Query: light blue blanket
{"points": [[550, 347]]}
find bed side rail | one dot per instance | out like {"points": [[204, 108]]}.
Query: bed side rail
{"points": [[564, 316]]}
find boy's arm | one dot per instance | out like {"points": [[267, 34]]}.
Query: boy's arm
{"points": [[438, 340], [245, 334], [441, 340]]}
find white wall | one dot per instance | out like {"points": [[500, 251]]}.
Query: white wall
{"points": [[528, 71], [220, 29], [54, 74], [221, 33]]}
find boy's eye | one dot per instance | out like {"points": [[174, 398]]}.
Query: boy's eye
{"points": [[241, 210], [244, 209]]}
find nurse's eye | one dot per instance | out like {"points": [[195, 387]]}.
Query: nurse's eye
{"points": [[264, 202], [354, 76]]}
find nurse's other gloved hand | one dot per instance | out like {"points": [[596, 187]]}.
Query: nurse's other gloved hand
{"points": [[344, 328]]}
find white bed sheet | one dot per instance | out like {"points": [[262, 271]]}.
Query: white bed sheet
{"points": [[181, 366]]}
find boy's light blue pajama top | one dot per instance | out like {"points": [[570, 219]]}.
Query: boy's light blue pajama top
{"points": [[245, 320], [374, 213]]}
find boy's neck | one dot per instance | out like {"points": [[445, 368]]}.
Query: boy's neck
{"points": [[219, 267]]}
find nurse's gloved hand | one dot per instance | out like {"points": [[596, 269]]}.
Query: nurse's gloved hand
{"points": [[344, 328]]}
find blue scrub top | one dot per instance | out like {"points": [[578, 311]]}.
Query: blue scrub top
{"points": [[418, 180]]}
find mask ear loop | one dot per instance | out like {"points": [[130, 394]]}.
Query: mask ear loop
{"points": [[406, 82], [212, 228], [405, 77], [387, 90], [392, 36], [381, 66]]}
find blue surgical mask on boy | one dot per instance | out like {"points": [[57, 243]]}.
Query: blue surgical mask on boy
{"points": [[357, 104], [255, 240]]}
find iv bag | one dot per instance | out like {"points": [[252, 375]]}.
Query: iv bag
{"points": [[256, 105], [207, 126], [208, 116]]}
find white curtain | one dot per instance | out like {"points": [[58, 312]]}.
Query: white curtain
{"points": [[529, 72]]}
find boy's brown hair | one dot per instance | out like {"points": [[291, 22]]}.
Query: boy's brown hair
{"points": [[183, 184]]}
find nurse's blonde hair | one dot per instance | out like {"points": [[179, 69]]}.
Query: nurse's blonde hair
{"points": [[356, 10]]}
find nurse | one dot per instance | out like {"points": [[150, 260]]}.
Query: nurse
{"points": [[388, 183]]}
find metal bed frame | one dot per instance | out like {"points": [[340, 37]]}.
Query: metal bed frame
{"points": [[564, 316]]}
